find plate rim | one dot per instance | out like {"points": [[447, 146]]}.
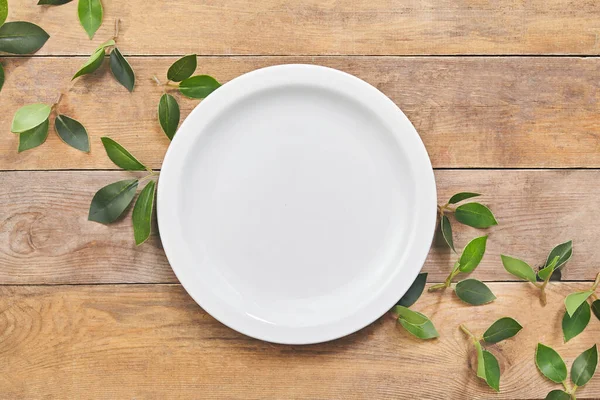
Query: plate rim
{"points": [[426, 175]]}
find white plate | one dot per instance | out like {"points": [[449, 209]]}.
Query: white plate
{"points": [[296, 204]]}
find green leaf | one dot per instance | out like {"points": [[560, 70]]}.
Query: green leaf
{"points": [[475, 215], [596, 308], [410, 316], [480, 361], [446, 229], [198, 87], [546, 272], [142, 213], [492, 370], [121, 69], [121, 157], [92, 64], [30, 116], [90, 15], [574, 325], [109, 202], [564, 251], [53, 2], [474, 292], [558, 395], [414, 292], [584, 366], [72, 133], [518, 268], [550, 363], [3, 11], [182, 68], [1, 76], [21, 37], [574, 300], [416, 323], [472, 254], [33, 137], [458, 197], [168, 115], [502, 329]]}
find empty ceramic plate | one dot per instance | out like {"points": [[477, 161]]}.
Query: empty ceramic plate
{"points": [[296, 204]]}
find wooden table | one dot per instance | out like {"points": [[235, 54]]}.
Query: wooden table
{"points": [[505, 95]]}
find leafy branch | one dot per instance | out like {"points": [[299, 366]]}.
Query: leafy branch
{"points": [[554, 262], [578, 311], [553, 367], [89, 12], [180, 76], [414, 322], [488, 368]]}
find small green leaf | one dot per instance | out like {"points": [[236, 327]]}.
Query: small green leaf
{"points": [[90, 15], [458, 197], [121, 69], [410, 316], [422, 327], [121, 157], [584, 366], [518, 268], [30, 116], [1, 76], [475, 215], [109, 202], [34, 136], [596, 308], [182, 68], [108, 43], [3, 11], [446, 229], [414, 292], [53, 2], [472, 254], [21, 37], [142, 213], [480, 361], [72, 133], [564, 251], [574, 300], [168, 115], [492, 370], [198, 87], [558, 395], [550, 363], [92, 64], [502, 329], [474, 292], [546, 272], [574, 325]]}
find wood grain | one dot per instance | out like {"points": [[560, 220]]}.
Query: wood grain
{"points": [[46, 239], [153, 342], [327, 27], [470, 112]]}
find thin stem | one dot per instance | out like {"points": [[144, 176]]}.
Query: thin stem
{"points": [[596, 282], [468, 332], [117, 23], [446, 207], [438, 286], [171, 84], [594, 296], [150, 175]]}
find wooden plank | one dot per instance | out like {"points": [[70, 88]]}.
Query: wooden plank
{"points": [[470, 112], [45, 238], [154, 342], [327, 27]]}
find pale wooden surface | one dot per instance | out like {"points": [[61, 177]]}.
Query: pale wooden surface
{"points": [[86, 314]]}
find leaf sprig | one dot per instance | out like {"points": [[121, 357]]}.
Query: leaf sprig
{"points": [[488, 368], [89, 12], [471, 291], [553, 367], [475, 215], [194, 87], [112, 200], [579, 312], [557, 257], [414, 322]]}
